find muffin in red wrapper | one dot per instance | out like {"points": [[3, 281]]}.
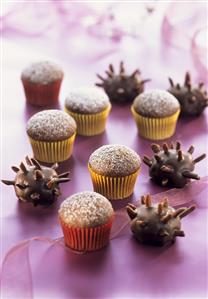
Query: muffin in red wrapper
{"points": [[42, 82], [86, 219]]}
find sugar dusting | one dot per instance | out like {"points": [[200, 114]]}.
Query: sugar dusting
{"points": [[114, 160], [86, 209], [87, 100], [43, 72], [51, 125], [156, 103]]}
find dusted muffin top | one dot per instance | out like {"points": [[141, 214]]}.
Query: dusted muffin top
{"points": [[86, 209], [87, 100], [51, 125], [156, 103], [114, 160], [42, 72]]}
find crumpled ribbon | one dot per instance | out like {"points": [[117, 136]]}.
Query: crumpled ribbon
{"points": [[16, 276]]}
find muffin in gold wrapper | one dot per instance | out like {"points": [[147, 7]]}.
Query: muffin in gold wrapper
{"points": [[90, 108], [156, 113], [51, 134], [114, 170]]}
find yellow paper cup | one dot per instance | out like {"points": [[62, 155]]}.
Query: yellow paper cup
{"points": [[155, 128], [90, 124], [113, 187], [52, 151]]}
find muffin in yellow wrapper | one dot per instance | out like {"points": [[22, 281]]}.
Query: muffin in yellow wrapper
{"points": [[90, 124], [53, 151], [156, 113], [90, 107], [155, 128], [114, 170], [51, 134]]}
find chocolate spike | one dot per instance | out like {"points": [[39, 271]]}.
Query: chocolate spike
{"points": [[164, 233], [187, 79], [122, 70], [179, 233], [147, 161], [165, 148], [171, 145], [158, 158], [155, 148], [38, 175], [201, 84], [109, 74], [187, 211], [111, 68], [145, 81], [22, 187], [160, 208], [198, 159], [189, 86], [191, 149], [36, 163], [165, 202], [171, 82], [120, 90], [166, 218], [143, 200], [164, 182], [190, 175], [148, 201], [61, 180], [178, 86], [132, 206], [100, 77], [180, 155], [131, 212], [99, 84], [23, 168], [15, 168], [6, 182], [50, 184], [56, 192], [54, 166], [178, 212], [28, 161], [178, 145], [64, 175], [136, 72], [167, 168]]}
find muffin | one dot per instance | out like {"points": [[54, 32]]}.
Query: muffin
{"points": [[114, 169], [156, 113], [42, 82], [51, 133], [90, 107], [86, 219]]}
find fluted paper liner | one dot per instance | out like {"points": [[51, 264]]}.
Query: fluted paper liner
{"points": [[155, 128], [52, 151], [86, 239], [90, 124], [113, 187]]}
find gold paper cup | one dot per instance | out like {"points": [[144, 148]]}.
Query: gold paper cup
{"points": [[155, 128], [52, 151], [113, 187], [90, 124]]}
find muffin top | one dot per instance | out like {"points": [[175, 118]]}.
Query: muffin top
{"points": [[51, 125], [87, 100], [42, 72], [114, 160], [156, 103], [86, 209]]}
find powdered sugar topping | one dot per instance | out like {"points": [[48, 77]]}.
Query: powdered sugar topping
{"points": [[43, 72], [114, 160], [87, 100], [86, 209], [51, 125], [156, 103]]}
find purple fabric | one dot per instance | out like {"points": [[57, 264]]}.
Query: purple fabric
{"points": [[125, 268]]}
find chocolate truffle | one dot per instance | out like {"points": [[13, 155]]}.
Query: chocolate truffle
{"points": [[171, 166], [193, 99], [36, 183], [156, 224], [122, 87]]}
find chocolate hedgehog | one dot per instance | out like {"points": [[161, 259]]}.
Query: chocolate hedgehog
{"points": [[36, 183], [171, 166], [121, 87], [156, 224], [193, 99]]}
